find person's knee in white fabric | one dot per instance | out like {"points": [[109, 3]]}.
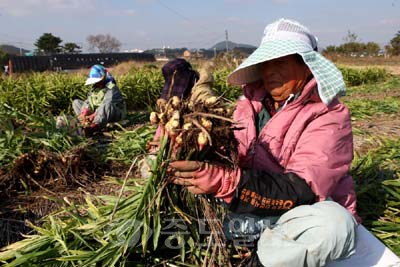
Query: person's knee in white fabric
{"points": [[77, 106], [340, 228], [324, 232]]}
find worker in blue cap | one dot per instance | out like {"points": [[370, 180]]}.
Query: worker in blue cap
{"points": [[104, 103]]}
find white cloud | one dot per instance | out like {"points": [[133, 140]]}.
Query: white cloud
{"points": [[129, 12], [30, 7], [390, 22], [233, 19], [243, 22], [26, 7], [280, 1], [242, 2], [121, 12], [145, 1], [254, 2], [143, 34]]}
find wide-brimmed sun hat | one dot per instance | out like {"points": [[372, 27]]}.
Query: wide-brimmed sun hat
{"points": [[96, 74], [286, 37]]}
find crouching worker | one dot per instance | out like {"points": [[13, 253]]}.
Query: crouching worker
{"points": [[181, 82], [104, 103], [179, 79], [291, 193]]}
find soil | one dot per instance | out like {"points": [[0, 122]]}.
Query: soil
{"points": [[18, 206], [35, 205], [32, 206], [381, 125], [377, 95]]}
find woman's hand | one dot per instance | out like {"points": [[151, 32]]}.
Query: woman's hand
{"points": [[205, 178], [196, 176], [86, 117]]}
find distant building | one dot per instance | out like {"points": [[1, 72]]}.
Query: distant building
{"points": [[193, 54], [135, 50], [161, 58]]}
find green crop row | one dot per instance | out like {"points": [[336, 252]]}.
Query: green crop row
{"points": [[141, 87], [356, 77], [377, 177], [42, 93], [52, 93], [366, 108], [375, 89], [22, 133]]}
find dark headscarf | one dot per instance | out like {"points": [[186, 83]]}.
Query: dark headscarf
{"points": [[179, 78]]}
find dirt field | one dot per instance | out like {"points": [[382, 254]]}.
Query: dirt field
{"points": [[392, 64], [15, 210]]}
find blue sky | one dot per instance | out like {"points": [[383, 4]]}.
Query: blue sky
{"points": [[146, 24]]}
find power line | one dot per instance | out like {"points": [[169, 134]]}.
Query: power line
{"points": [[207, 30], [226, 41], [201, 44], [173, 11], [212, 41]]}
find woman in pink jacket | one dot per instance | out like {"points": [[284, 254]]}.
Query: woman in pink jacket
{"points": [[295, 151]]}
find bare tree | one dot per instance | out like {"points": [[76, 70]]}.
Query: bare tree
{"points": [[351, 37], [104, 43]]}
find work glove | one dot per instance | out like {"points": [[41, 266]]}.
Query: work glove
{"points": [[85, 112], [205, 178], [202, 89], [87, 121], [83, 117]]}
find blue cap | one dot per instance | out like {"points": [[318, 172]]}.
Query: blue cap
{"points": [[96, 74]]}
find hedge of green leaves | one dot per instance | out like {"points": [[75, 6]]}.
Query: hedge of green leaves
{"points": [[356, 77], [52, 93]]}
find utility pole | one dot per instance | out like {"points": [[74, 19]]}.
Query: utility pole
{"points": [[19, 45], [215, 52], [226, 41]]}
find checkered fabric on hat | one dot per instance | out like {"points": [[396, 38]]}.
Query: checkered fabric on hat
{"points": [[286, 37], [179, 78]]}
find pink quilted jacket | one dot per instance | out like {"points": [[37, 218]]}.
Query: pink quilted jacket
{"points": [[306, 137]]}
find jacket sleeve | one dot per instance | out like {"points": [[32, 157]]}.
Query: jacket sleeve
{"points": [[324, 151], [111, 109], [269, 194], [85, 105]]}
